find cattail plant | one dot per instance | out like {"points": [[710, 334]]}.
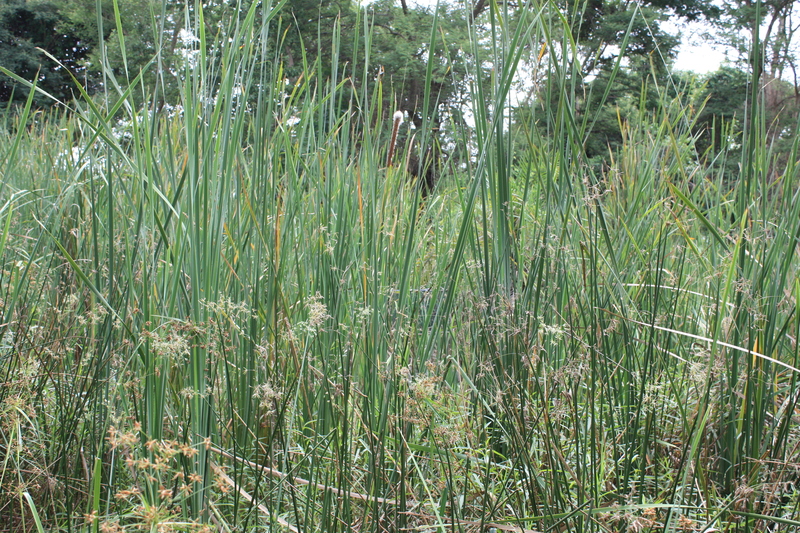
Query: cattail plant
{"points": [[397, 120], [423, 167]]}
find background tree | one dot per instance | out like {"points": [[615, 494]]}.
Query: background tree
{"points": [[722, 103], [401, 48], [72, 32], [307, 32], [26, 26], [608, 81], [736, 28], [395, 40], [398, 54]]}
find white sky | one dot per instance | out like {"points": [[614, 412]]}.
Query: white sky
{"points": [[695, 53]]}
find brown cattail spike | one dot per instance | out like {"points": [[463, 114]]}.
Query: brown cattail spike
{"points": [[398, 119]]}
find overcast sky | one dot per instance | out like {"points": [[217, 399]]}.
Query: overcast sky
{"points": [[694, 52]]}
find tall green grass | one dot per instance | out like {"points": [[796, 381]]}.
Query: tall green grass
{"points": [[231, 315]]}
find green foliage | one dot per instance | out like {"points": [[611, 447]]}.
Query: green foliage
{"points": [[721, 121], [401, 50], [151, 46], [688, 9], [80, 18], [723, 107], [398, 48], [26, 26], [647, 44], [736, 26], [307, 34], [620, 51]]}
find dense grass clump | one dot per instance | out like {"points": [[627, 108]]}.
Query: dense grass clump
{"points": [[231, 315]]}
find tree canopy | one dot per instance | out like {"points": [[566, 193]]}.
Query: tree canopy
{"points": [[26, 27]]}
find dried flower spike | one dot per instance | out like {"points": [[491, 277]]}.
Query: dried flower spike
{"points": [[397, 119]]}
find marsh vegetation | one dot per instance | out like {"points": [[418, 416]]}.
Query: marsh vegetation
{"points": [[229, 314]]}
